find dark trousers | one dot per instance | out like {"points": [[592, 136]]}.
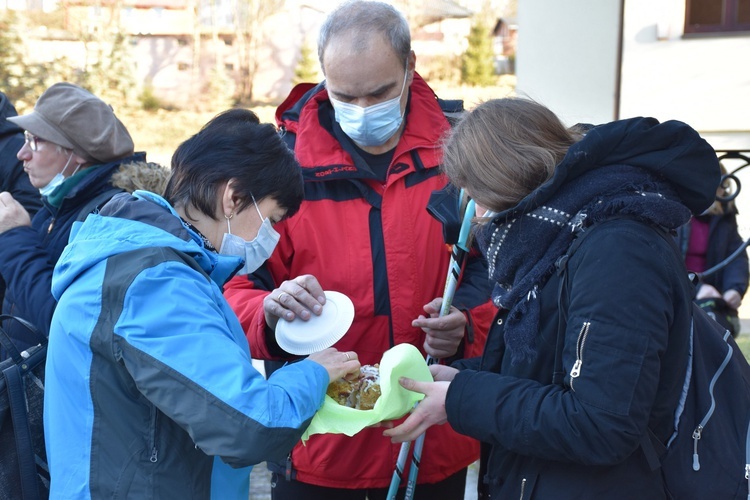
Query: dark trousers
{"points": [[451, 488]]}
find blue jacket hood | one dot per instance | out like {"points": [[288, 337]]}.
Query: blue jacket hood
{"points": [[110, 232], [672, 150]]}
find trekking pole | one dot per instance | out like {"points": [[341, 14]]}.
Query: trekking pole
{"points": [[458, 257]]}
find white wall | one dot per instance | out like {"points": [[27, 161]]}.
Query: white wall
{"points": [[703, 81], [567, 57]]}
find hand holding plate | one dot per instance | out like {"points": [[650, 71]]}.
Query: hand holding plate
{"points": [[294, 298]]}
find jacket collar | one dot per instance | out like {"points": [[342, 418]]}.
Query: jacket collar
{"points": [[322, 147]]}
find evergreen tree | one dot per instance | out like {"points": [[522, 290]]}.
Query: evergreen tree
{"points": [[23, 81], [477, 62], [307, 66], [11, 56], [111, 75]]}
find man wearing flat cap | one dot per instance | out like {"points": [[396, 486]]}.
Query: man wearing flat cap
{"points": [[74, 143]]}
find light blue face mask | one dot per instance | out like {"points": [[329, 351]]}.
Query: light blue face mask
{"points": [[255, 252], [373, 125], [58, 179]]}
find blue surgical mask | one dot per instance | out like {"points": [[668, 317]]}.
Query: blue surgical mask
{"points": [[373, 125], [255, 252], [58, 179]]}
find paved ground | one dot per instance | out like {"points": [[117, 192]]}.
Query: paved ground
{"points": [[260, 483], [260, 480]]}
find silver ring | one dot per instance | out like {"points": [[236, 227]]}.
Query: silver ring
{"points": [[278, 299], [348, 358]]}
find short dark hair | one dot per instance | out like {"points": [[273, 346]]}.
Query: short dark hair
{"points": [[235, 146]]}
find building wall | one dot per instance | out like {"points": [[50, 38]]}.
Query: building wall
{"points": [[567, 57], [703, 81], [161, 40]]}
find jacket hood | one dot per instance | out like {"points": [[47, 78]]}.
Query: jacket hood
{"points": [[672, 150], [130, 222], [6, 111]]}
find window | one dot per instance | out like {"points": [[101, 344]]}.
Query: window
{"points": [[711, 16]]}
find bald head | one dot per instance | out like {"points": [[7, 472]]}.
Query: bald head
{"points": [[358, 23]]}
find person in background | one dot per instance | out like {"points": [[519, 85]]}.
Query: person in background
{"points": [[575, 373], [707, 240], [74, 143], [368, 141], [13, 179], [151, 392]]}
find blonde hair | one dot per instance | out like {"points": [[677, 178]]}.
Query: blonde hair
{"points": [[504, 149], [725, 190]]}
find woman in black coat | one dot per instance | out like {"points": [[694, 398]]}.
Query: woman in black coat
{"points": [[708, 240], [573, 376]]}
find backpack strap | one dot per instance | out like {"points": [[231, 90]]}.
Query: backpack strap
{"points": [[96, 202], [453, 109], [561, 264], [22, 432], [7, 342]]}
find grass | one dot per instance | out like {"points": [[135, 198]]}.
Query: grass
{"points": [[743, 341], [159, 132]]}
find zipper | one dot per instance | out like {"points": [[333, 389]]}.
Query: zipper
{"points": [[523, 487], [699, 430], [747, 457], [288, 468], [152, 444], [51, 225], [575, 372]]}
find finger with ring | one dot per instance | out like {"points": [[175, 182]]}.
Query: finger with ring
{"points": [[348, 358], [278, 299]]}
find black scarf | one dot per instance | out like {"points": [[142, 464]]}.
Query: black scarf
{"points": [[521, 252]]}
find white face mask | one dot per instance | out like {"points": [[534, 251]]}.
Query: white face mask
{"points": [[373, 125], [255, 252], [58, 179]]}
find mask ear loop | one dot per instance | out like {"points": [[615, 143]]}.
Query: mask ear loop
{"points": [[229, 227], [67, 164], [256, 207]]}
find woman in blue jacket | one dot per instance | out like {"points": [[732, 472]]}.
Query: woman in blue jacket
{"points": [[574, 374], [150, 388]]}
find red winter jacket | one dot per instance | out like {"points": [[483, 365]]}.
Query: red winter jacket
{"points": [[377, 244]]}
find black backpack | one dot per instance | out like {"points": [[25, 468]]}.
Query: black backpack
{"points": [[708, 455], [23, 460]]}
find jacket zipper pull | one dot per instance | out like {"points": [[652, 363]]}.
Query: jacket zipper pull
{"points": [[288, 469], [154, 455], [51, 225], [576, 370], [696, 437]]}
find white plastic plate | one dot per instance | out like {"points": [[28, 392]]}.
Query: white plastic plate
{"points": [[319, 332]]}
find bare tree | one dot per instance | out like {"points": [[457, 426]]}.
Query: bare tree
{"points": [[249, 17]]}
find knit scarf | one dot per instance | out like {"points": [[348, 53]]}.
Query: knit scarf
{"points": [[521, 252]]}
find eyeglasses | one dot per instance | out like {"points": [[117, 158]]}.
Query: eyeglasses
{"points": [[33, 141]]}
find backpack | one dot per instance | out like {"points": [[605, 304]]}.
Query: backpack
{"points": [[718, 310], [23, 467], [708, 454], [97, 202]]}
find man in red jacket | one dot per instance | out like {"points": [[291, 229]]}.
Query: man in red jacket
{"points": [[368, 140]]}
